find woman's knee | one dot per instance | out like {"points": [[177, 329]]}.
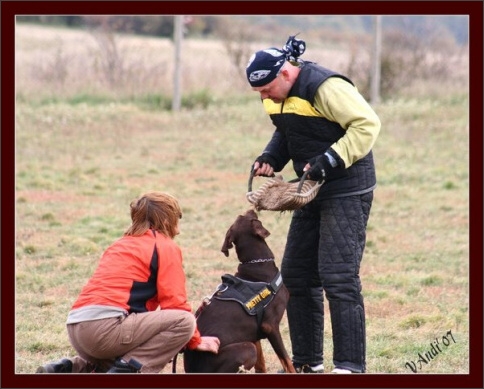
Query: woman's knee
{"points": [[187, 323]]}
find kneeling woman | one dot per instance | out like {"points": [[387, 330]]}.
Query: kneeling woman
{"points": [[132, 316]]}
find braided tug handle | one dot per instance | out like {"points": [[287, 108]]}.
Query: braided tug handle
{"points": [[277, 195]]}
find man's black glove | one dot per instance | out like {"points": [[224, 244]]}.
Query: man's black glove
{"points": [[327, 167], [265, 158]]}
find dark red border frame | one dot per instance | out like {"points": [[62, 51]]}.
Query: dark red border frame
{"points": [[11, 8]]}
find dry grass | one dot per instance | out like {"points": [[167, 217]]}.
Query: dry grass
{"points": [[79, 166], [66, 62]]}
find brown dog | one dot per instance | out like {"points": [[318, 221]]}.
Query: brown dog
{"points": [[251, 312]]}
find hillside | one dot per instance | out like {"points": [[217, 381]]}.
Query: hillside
{"points": [[455, 25], [270, 26]]}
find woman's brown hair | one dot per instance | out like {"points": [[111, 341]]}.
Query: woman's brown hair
{"points": [[154, 210]]}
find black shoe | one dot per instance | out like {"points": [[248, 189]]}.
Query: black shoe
{"points": [[306, 369], [63, 366], [121, 366], [309, 368]]}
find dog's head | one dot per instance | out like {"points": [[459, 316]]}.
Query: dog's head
{"points": [[248, 235]]}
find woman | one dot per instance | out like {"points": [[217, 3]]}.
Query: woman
{"points": [[132, 316]]}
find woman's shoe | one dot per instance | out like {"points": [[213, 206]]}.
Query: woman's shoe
{"points": [[62, 366], [121, 366]]}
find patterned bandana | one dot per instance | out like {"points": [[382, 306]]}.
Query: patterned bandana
{"points": [[265, 65]]}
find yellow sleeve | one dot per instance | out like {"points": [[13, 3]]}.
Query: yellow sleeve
{"points": [[339, 101]]}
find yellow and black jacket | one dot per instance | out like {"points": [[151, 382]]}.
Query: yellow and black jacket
{"points": [[306, 127]]}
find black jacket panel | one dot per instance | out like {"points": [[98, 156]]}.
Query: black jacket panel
{"points": [[308, 134]]}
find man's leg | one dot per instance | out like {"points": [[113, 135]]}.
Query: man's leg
{"points": [[299, 270], [343, 236]]}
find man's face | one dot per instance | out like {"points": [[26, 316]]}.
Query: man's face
{"points": [[277, 90]]}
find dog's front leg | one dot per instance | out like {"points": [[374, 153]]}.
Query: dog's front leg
{"points": [[277, 344], [260, 365]]}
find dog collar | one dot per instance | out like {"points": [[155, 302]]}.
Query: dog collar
{"points": [[258, 261]]}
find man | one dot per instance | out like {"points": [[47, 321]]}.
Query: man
{"points": [[323, 125]]}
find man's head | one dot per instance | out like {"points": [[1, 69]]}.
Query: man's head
{"points": [[264, 66], [270, 71]]}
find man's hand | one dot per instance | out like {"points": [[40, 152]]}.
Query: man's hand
{"points": [[324, 167], [264, 166]]}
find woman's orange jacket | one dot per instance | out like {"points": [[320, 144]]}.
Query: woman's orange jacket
{"points": [[139, 274]]}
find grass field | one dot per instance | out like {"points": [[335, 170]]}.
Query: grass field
{"points": [[78, 164]]}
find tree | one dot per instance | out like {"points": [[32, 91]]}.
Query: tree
{"points": [[177, 38], [376, 61]]}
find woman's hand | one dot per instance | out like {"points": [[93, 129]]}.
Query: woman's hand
{"points": [[210, 344]]}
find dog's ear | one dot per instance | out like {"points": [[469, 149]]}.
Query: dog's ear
{"points": [[259, 229], [228, 242]]}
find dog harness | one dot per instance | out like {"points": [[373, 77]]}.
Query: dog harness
{"points": [[253, 296]]}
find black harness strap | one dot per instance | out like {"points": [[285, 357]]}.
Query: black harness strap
{"points": [[253, 296]]}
